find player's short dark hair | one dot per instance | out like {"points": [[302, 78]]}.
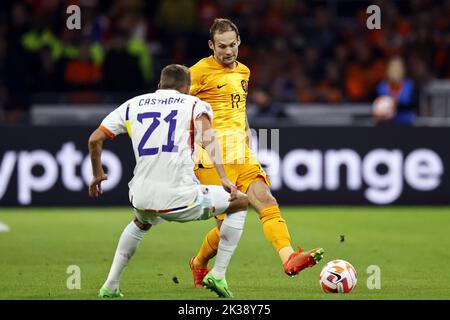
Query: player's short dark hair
{"points": [[175, 76], [221, 25]]}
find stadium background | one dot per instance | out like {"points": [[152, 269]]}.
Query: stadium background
{"points": [[313, 64], [316, 70]]}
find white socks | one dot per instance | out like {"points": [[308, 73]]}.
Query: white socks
{"points": [[128, 242], [230, 233]]}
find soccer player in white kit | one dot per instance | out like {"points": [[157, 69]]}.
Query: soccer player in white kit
{"points": [[163, 127]]}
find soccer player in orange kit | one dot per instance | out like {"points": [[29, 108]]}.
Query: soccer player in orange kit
{"points": [[222, 81]]}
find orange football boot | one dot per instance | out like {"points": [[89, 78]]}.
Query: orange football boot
{"points": [[198, 274], [300, 260]]}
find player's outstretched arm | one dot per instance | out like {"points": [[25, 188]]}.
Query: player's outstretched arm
{"points": [[209, 143], [95, 152]]}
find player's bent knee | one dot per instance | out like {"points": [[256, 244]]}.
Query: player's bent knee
{"points": [[259, 196]]}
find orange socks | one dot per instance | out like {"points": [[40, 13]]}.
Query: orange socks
{"points": [[208, 250], [275, 227]]}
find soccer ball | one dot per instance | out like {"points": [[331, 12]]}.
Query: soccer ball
{"points": [[338, 276], [384, 108]]}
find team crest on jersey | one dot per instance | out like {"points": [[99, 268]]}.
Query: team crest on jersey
{"points": [[244, 84]]}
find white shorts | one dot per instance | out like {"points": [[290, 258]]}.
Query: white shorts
{"points": [[211, 201]]}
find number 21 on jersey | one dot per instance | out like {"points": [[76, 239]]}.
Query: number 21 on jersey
{"points": [[155, 117]]}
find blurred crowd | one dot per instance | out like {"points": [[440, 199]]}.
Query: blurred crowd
{"points": [[297, 51]]}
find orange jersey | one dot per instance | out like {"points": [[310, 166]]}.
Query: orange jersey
{"points": [[225, 90]]}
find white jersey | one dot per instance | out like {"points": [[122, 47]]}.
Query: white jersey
{"points": [[161, 126]]}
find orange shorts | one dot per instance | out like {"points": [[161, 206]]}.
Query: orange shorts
{"points": [[241, 175]]}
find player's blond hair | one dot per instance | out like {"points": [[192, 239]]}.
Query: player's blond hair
{"points": [[221, 25], [175, 76]]}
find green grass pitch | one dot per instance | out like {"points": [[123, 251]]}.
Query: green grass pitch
{"points": [[410, 245]]}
